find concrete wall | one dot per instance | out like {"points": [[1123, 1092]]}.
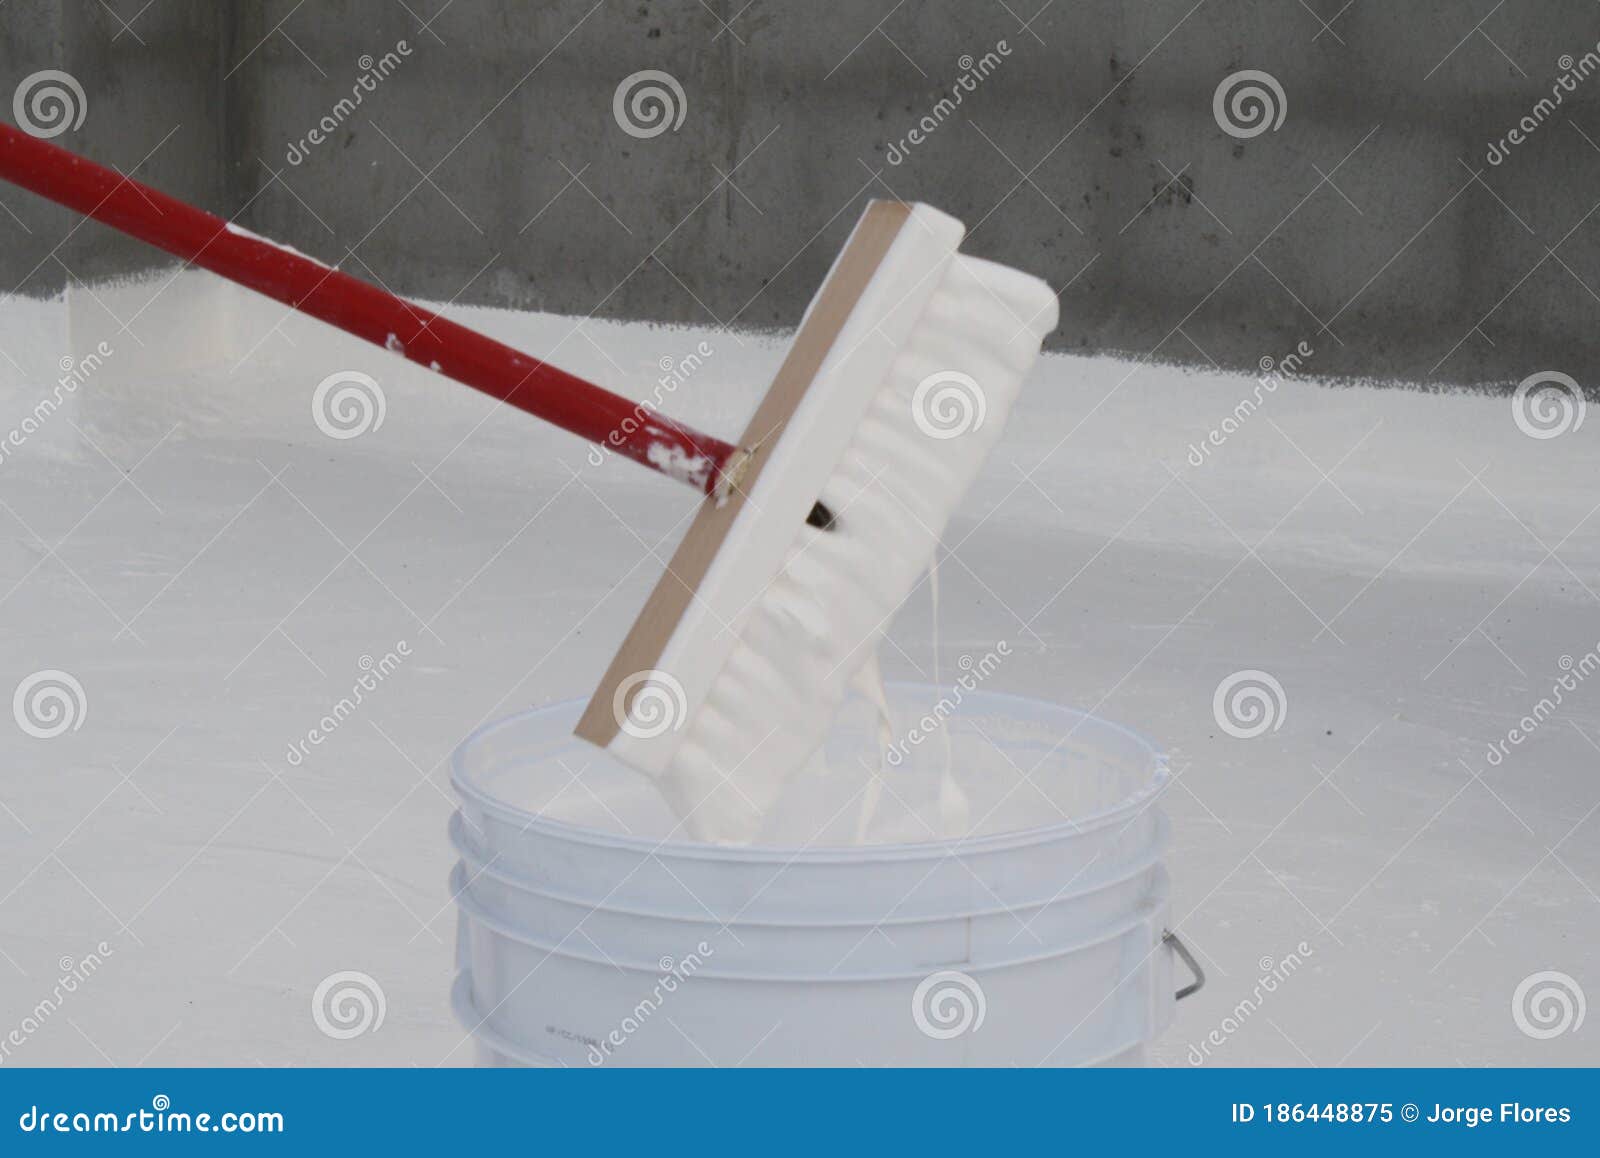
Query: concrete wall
{"points": [[487, 165], [151, 95]]}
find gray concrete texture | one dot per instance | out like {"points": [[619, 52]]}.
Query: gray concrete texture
{"points": [[487, 165]]}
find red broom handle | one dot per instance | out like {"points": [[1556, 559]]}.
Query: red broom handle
{"points": [[364, 310]]}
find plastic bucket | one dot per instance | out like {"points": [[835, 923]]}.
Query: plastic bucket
{"points": [[588, 934]]}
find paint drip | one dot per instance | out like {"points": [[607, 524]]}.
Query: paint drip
{"points": [[954, 811]]}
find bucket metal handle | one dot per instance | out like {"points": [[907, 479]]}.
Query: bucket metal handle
{"points": [[1171, 940]]}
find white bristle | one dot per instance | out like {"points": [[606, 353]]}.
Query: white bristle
{"points": [[922, 353], [892, 490]]}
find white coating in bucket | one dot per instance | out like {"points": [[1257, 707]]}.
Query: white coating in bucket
{"points": [[590, 935]]}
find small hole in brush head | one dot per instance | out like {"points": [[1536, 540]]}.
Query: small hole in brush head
{"points": [[820, 517]]}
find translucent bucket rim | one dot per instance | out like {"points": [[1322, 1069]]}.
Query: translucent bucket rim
{"points": [[1152, 911], [531, 822], [1151, 857]]}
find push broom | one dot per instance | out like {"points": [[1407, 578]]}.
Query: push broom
{"points": [[820, 518]]}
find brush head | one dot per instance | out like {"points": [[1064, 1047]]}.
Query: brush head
{"points": [[897, 384]]}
